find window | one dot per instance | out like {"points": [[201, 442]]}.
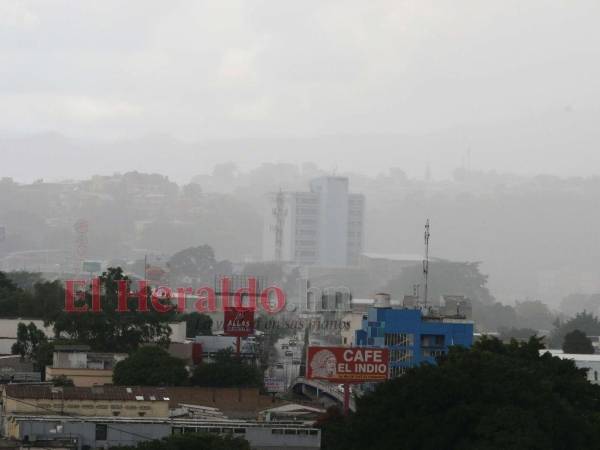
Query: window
{"points": [[432, 340], [397, 371], [403, 339], [141, 414], [101, 431], [432, 353], [400, 355]]}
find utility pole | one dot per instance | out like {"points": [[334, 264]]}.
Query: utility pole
{"points": [[426, 262]]}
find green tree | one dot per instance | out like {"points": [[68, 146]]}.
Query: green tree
{"points": [[227, 370], [446, 278], [25, 294], [506, 334], [42, 356], [29, 338], [10, 297], [577, 342], [195, 265], [191, 441], [25, 280], [584, 322], [534, 314], [62, 381], [111, 330], [150, 366], [492, 396], [197, 324]]}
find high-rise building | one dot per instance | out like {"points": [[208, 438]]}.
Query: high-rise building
{"points": [[324, 226]]}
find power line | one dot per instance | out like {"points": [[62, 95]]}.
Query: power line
{"points": [[81, 418]]}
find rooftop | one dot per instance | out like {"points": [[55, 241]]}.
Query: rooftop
{"points": [[30, 391]]}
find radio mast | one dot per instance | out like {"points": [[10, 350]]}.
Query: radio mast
{"points": [[426, 262]]}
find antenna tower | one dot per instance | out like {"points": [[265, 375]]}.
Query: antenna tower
{"points": [[426, 262]]}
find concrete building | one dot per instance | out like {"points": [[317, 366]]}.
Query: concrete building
{"points": [[324, 226], [44, 399], [106, 432], [14, 369], [413, 335], [83, 367], [234, 402], [589, 362], [211, 345]]}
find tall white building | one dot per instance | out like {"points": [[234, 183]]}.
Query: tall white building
{"points": [[324, 226]]}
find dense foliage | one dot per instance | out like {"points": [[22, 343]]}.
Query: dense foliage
{"points": [[584, 322], [110, 330], [24, 294], [227, 370], [493, 396], [191, 441], [465, 278], [197, 324], [577, 342], [33, 344], [150, 366]]}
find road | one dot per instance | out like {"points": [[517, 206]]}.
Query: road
{"points": [[287, 370]]}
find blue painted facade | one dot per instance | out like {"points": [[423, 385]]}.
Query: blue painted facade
{"points": [[411, 337]]}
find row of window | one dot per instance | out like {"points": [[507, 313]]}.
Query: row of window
{"points": [[91, 406], [232, 430], [397, 371], [405, 339], [306, 232], [401, 355], [294, 431], [305, 242], [217, 430]]}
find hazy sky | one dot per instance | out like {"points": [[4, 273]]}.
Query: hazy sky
{"points": [[201, 70]]}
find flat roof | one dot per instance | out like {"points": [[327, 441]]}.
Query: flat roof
{"points": [[160, 420], [572, 356], [48, 392]]}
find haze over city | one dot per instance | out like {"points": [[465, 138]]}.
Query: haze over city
{"points": [[268, 225], [413, 82]]}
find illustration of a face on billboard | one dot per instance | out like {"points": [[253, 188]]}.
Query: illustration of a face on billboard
{"points": [[324, 364]]}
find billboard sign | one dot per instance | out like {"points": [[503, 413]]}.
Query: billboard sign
{"points": [[238, 322], [348, 364], [274, 384]]}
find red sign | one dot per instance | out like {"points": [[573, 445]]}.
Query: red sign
{"points": [[238, 322], [348, 364]]}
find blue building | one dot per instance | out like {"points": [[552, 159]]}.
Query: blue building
{"points": [[412, 336]]}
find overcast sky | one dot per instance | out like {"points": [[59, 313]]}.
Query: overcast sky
{"points": [[201, 70]]}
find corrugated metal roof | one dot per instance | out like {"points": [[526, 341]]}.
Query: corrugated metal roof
{"points": [[25, 391]]}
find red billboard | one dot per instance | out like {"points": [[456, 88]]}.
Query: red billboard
{"points": [[347, 364], [238, 322]]}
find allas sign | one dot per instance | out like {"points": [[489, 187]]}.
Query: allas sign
{"points": [[238, 322], [348, 364]]}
